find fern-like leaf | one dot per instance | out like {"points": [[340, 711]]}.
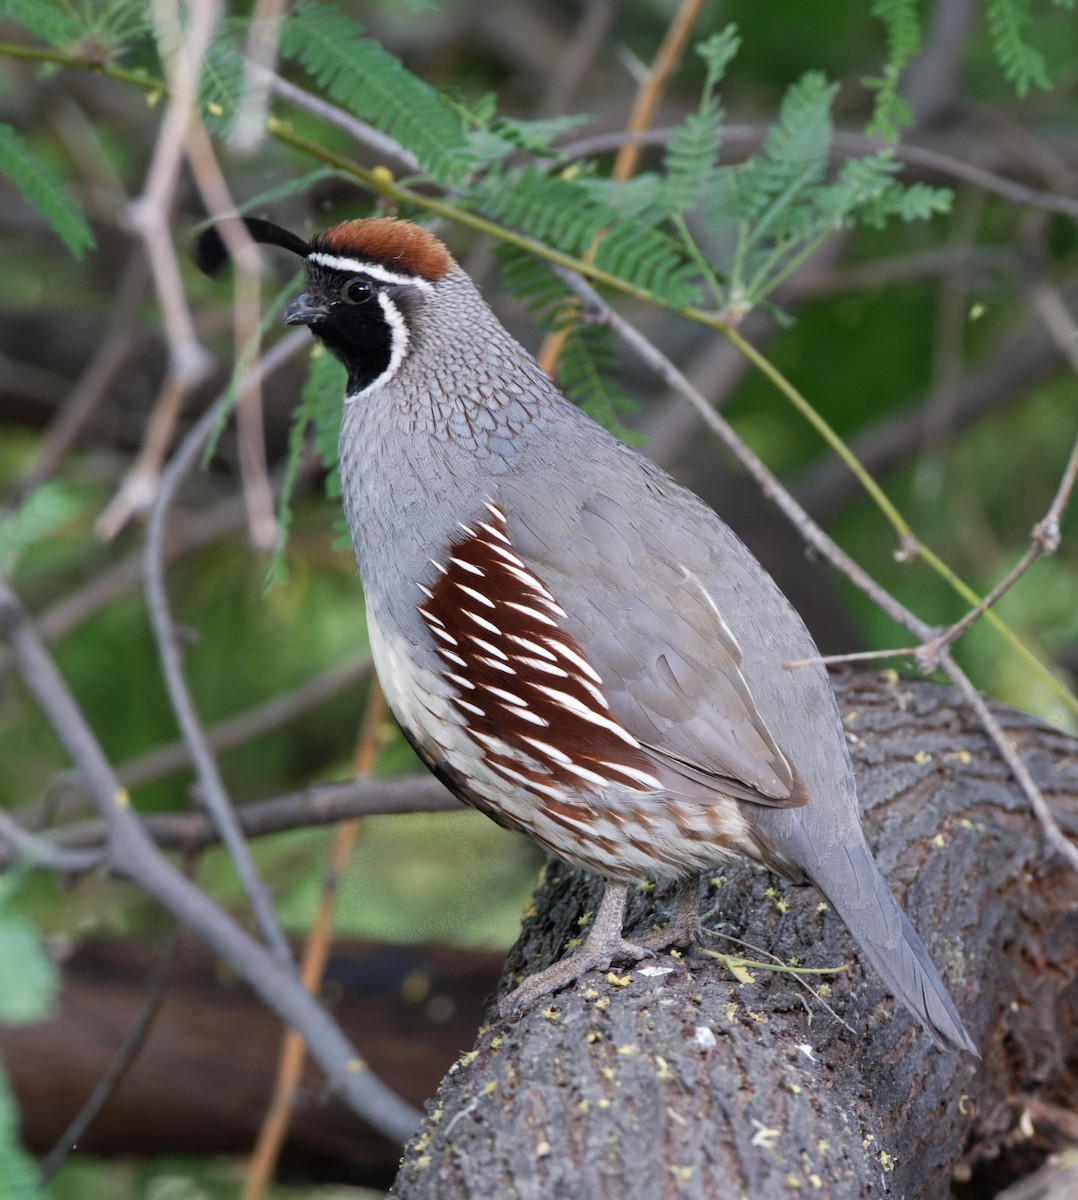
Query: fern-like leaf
{"points": [[902, 20], [54, 26], [45, 190], [370, 82], [571, 214], [1023, 65]]}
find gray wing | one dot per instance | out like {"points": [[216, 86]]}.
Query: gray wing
{"points": [[660, 596]]}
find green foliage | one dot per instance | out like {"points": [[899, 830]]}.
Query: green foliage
{"points": [[28, 994], [41, 513], [1008, 25], [45, 190], [29, 975], [53, 25], [371, 83], [903, 23]]}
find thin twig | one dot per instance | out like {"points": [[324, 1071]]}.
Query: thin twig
{"points": [[189, 362], [213, 793], [132, 852], [120, 1065], [44, 853], [271, 1137], [249, 126], [313, 806], [252, 723], [118, 339]]}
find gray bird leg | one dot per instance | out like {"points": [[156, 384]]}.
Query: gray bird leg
{"points": [[684, 927], [604, 945]]}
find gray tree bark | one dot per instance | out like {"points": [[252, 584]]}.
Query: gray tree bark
{"points": [[675, 1079]]}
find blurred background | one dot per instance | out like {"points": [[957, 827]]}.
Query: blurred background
{"points": [[923, 344]]}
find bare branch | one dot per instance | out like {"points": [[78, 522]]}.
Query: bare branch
{"points": [[133, 853], [311, 807], [212, 788]]}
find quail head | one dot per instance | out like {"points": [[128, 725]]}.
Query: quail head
{"points": [[572, 642]]}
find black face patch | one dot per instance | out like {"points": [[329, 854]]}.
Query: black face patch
{"points": [[357, 327]]}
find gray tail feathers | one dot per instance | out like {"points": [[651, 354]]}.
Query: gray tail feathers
{"points": [[892, 946]]}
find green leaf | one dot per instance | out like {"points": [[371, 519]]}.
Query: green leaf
{"points": [[55, 26], [1008, 24], [19, 1179], [43, 511], [45, 190], [30, 981], [371, 83]]}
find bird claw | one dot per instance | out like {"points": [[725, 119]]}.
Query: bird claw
{"points": [[599, 957]]}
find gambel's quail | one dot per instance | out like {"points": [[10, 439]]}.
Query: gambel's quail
{"points": [[571, 641]]}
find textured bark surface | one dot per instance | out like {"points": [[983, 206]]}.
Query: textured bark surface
{"points": [[674, 1079]]}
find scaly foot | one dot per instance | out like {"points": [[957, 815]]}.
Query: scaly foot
{"points": [[604, 946]]}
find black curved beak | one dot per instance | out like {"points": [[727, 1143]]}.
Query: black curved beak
{"points": [[305, 310]]}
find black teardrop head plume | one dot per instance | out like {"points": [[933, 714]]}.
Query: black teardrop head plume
{"points": [[211, 253]]}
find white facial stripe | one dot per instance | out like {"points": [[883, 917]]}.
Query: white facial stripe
{"points": [[336, 262], [399, 340]]}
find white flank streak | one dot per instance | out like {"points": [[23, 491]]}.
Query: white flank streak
{"points": [[453, 658], [467, 529], [338, 262], [526, 577], [426, 592], [495, 533], [460, 681], [469, 591], [444, 634], [509, 697], [484, 624], [552, 752], [429, 617], [585, 666], [498, 666], [649, 781], [539, 665], [496, 512], [485, 645], [581, 710], [528, 715], [437, 566], [507, 555], [553, 605], [590, 776], [532, 612], [531, 784], [467, 566], [534, 647], [470, 707]]}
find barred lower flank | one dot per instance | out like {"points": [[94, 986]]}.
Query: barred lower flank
{"points": [[595, 658]]}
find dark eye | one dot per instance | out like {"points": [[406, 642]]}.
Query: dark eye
{"points": [[357, 291]]}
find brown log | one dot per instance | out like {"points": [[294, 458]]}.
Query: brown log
{"points": [[204, 1077], [693, 1084]]}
